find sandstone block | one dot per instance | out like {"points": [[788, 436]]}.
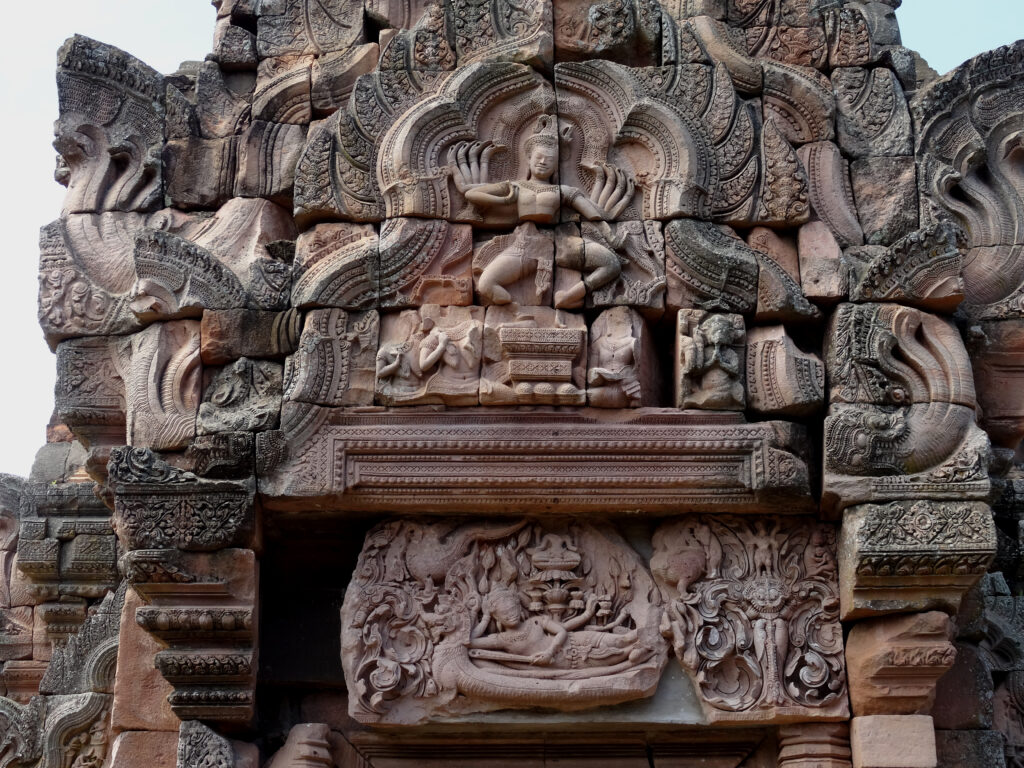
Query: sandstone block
{"points": [[970, 749], [894, 662], [885, 189], [893, 741], [153, 749]]}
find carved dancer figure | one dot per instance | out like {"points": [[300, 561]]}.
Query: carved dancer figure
{"points": [[516, 260], [599, 263], [424, 359]]}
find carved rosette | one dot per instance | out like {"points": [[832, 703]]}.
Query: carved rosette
{"points": [[752, 607], [444, 618], [922, 555]]}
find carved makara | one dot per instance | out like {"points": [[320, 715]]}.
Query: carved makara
{"points": [[752, 607], [443, 618]]}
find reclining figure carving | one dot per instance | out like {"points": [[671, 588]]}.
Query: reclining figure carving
{"points": [[443, 618]]}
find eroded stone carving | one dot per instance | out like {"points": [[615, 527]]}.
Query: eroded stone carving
{"points": [[334, 363], [752, 607], [244, 396], [710, 361], [902, 409], [444, 618], [430, 355], [781, 379], [533, 355], [621, 369], [111, 129]]}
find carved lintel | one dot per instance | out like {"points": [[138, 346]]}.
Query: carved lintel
{"points": [[502, 461], [497, 615]]}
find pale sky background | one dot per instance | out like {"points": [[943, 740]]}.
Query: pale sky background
{"points": [[166, 32]]}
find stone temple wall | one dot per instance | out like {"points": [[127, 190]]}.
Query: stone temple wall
{"points": [[515, 382]]}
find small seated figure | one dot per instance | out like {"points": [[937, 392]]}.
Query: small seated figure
{"points": [[612, 379]]}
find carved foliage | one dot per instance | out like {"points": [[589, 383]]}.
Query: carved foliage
{"points": [[507, 614], [753, 608]]}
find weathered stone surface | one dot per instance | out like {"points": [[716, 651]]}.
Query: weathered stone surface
{"points": [[508, 637], [922, 269], [622, 365], [156, 749], [872, 117], [429, 261], [267, 155], [964, 695], [229, 334], [533, 356], [728, 579], [140, 691], [426, 267], [893, 741], [823, 276], [894, 662], [336, 265], [912, 556], [970, 749], [163, 385], [709, 364], [885, 189], [516, 268], [781, 379]]}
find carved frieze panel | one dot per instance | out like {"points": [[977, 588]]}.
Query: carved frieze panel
{"points": [[652, 460], [533, 355], [753, 610], [443, 619], [430, 355], [912, 555]]}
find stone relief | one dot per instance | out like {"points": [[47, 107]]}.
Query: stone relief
{"points": [[375, 261], [752, 608], [444, 618]]}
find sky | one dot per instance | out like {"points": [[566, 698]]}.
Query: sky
{"points": [[163, 33]]}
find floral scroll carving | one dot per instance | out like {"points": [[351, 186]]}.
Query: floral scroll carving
{"points": [[752, 607]]}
